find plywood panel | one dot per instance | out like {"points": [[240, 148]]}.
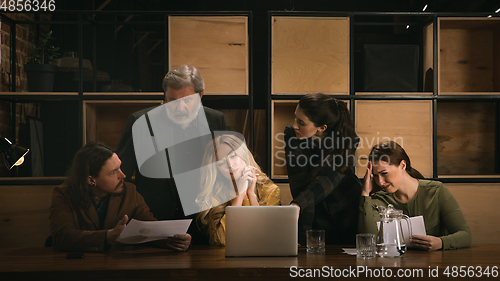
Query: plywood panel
{"points": [[90, 121], [479, 204], [466, 138], [496, 59], [428, 53], [104, 120], [466, 63], [468, 22], [409, 123], [468, 59], [217, 46], [395, 94], [24, 215], [310, 55], [282, 114]]}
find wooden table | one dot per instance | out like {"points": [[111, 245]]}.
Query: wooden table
{"points": [[209, 263]]}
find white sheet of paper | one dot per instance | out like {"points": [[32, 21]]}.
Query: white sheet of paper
{"points": [[417, 228], [350, 251], [144, 231]]}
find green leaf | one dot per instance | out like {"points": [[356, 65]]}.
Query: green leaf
{"points": [[43, 52]]}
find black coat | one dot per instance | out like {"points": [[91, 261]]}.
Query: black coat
{"points": [[161, 194], [328, 201]]}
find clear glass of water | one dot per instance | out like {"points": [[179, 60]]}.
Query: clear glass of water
{"points": [[315, 241], [365, 246]]}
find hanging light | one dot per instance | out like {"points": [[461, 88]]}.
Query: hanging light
{"points": [[13, 155]]}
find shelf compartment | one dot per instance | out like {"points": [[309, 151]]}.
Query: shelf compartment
{"points": [[104, 120], [217, 46], [468, 60], [310, 54], [428, 57], [394, 93], [282, 113], [479, 204], [466, 138], [409, 123]]}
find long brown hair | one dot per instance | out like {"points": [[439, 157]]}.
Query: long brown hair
{"points": [[393, 153], [339, 138], [88, 161]]}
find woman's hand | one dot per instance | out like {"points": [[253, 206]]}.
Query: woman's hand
{"points": [[427, 242], [246, 184], [253, 183], [368, 180], [112, 234], [247, 179]]}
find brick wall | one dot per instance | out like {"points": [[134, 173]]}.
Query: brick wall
{"points": [[25, 36]]}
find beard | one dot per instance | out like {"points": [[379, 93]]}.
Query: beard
{"points": [[189, 116]]}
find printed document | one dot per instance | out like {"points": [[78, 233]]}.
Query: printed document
{"points": [[144, 231]]}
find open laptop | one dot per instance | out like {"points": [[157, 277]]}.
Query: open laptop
{"points": [[261, 231]]}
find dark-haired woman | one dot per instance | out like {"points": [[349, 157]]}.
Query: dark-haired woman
{"points": [[319, 151], [405, 188]]}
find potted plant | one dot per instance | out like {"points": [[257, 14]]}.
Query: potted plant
{"points": [[39, 68]]}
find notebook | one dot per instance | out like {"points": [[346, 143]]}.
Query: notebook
{"points": [[261, 231]]}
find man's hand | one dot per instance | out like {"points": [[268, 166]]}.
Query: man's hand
{"points": [[112, 234], [427, 242], [179, 242]]}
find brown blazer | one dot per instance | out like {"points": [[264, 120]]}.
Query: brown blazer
{"points": [[75, 229]]}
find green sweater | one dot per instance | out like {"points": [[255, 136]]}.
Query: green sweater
{"points": [[442, 215]]}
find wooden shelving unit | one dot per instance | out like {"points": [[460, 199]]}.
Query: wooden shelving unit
{"points": [[446, 126], [450, 126], [223, 59]]}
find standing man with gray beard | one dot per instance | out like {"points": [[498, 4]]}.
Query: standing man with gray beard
{"points": [[185, 118]]}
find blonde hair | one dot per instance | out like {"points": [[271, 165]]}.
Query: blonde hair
{"points": [[215, 187]]}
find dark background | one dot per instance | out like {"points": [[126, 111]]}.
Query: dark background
{"points": [[141, 64], [143, 71]]}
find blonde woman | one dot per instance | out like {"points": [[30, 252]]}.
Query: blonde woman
{"points": [[235, 170]]}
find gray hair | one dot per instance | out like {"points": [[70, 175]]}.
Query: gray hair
{"points": [[183, 76]]}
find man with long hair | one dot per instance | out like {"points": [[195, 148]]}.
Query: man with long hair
{"points": [[91, 208]]}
